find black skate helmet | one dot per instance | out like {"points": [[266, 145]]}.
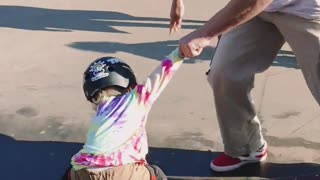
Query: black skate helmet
{"points": [[107, 71]]}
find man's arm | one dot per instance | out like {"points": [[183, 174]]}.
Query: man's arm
{"points": [[232, 15]]}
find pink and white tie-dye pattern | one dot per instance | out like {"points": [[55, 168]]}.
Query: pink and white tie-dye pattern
{"points": [[132, 151], [117, 134]]}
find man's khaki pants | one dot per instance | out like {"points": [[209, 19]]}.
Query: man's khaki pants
{"points": [[249, 49]]}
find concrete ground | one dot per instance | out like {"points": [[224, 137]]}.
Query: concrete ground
{"points": [[46, 45]]}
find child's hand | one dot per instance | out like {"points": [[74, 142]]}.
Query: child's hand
{"points": [[180, 53], [176, 55]]}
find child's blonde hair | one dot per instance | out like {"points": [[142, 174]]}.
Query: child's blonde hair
{"points": [[103, 95]]}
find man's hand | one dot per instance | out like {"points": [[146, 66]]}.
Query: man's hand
{"points": [[192, 44], [235, 13], [176, 14]]}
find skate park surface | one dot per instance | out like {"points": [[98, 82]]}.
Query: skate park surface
{"points": [[46, 45]]}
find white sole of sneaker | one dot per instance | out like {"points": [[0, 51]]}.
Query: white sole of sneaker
{"points": [[236, 166]]}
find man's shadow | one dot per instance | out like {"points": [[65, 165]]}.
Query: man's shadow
{"points": [[49, 160], [151, 50], [286, 59], [43, 19], [157, 50], [33, 18]]}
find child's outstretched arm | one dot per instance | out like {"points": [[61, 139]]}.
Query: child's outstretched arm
{"points": [[159, 78]]}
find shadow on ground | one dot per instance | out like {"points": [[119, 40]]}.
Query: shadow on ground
{"points": [[152, 50], [32, 18], [49, 160], [157, 50], [286, 59], [42, 19]]}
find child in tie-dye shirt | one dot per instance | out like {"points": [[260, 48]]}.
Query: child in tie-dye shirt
{"points": [[116, 145]]}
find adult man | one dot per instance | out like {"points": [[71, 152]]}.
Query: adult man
{"points": [[253, 31]]}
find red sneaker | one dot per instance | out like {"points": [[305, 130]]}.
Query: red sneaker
{"points": [[226, 163]]}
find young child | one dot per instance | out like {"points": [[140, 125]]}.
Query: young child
{"points": [[116, 145]]}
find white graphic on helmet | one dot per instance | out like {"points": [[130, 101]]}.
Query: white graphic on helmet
{"points": [[113, 61], [98, 70]]}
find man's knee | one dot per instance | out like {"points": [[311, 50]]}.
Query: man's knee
{"points": [[221, 76], [210, 78]]}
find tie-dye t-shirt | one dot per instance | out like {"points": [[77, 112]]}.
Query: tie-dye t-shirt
{"points": [[308, 9], [117, 134]]}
